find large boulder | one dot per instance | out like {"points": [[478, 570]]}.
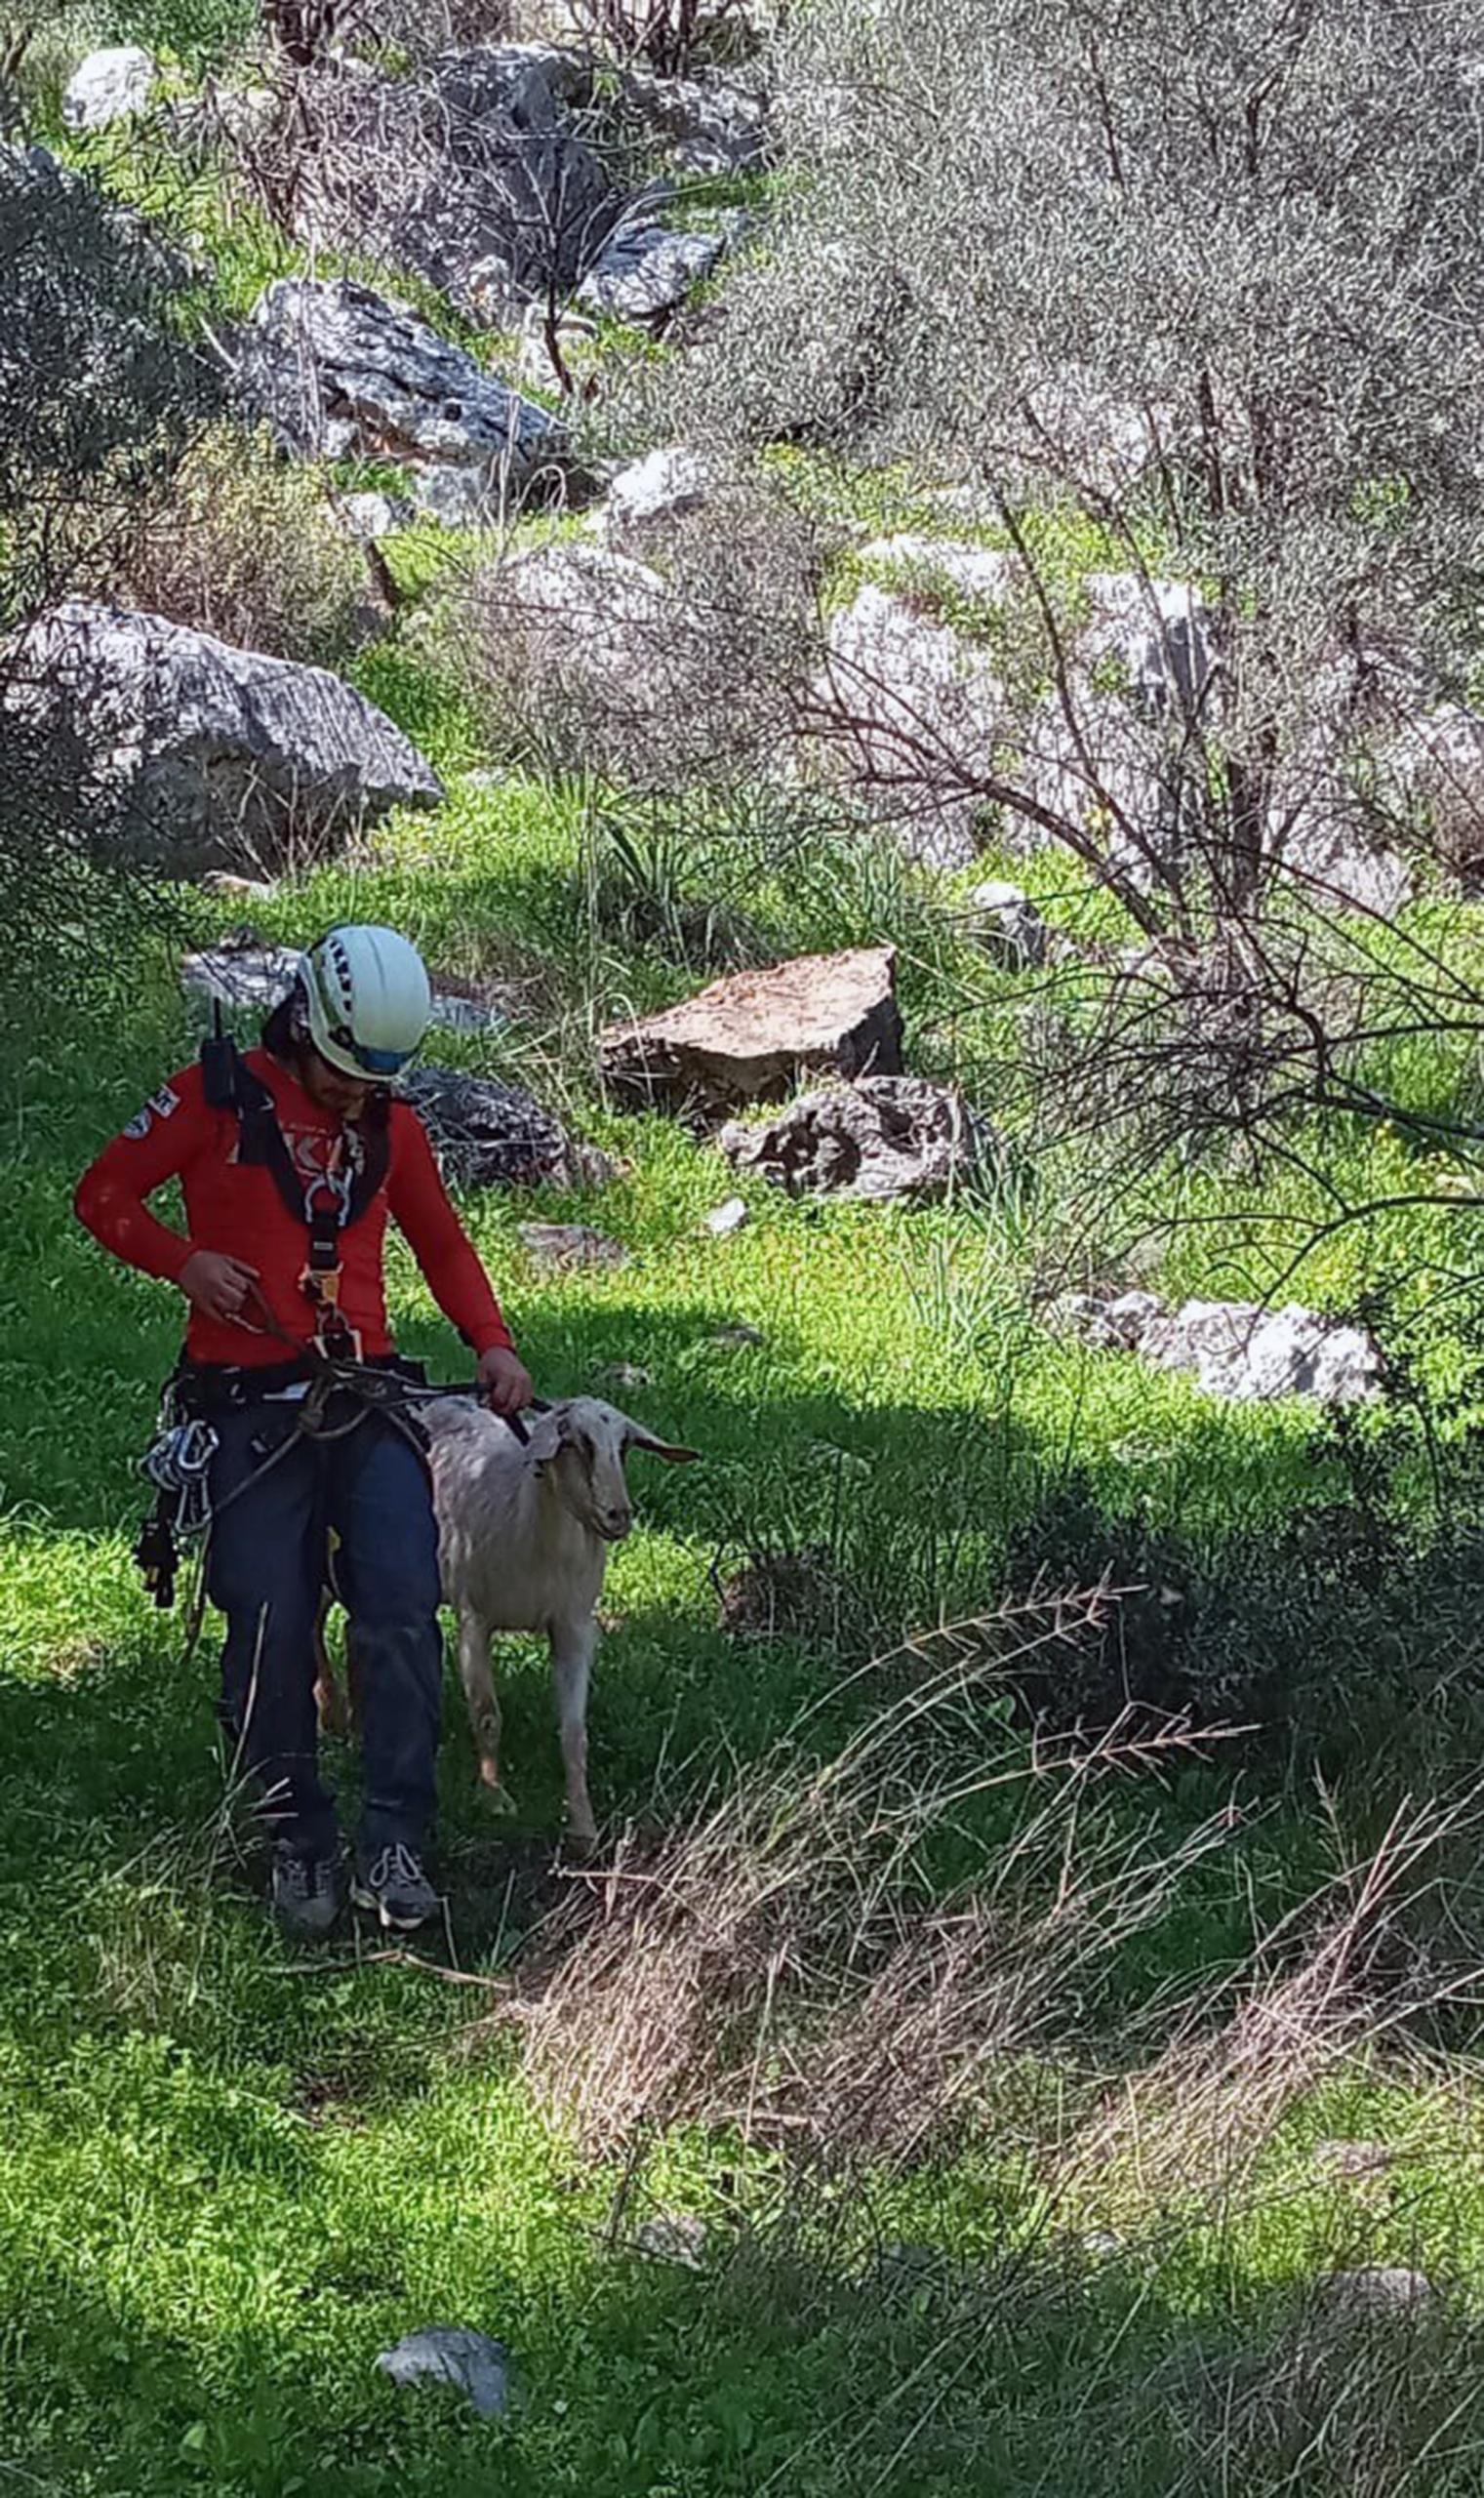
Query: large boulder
{"points": [[338, 369], [1235, 1350], [751, 1036], [491, 1135], [882, 1138], [911, 711], [109, 86], [471, 174], [217, 757]]}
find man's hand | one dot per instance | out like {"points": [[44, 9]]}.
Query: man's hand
{"points": [[215, 1284], [504, 1381]]}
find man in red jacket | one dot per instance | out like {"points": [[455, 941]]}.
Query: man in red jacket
{"points": [[289, 1161]]}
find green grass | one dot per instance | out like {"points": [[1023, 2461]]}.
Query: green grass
{"points": [[229, 2176]]}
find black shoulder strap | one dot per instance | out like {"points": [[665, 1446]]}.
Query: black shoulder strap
{"points": [[230, 1085]]}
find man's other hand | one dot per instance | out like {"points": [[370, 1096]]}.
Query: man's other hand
{"points": [[504, 1381]]}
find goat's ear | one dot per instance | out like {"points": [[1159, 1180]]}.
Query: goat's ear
{"points": [[636, 1436], [543, 1438]]}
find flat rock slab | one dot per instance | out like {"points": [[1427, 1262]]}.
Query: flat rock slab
{"points": [[452, 2354], [885, 1138], [220, 757], [566, 1247], [339, 371], [492, 1135], [749, 1037], [1234, 1350]]}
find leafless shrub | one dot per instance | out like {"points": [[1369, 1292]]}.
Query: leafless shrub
{"points": [[1350, 1974], [248, 548], [1196, 320], [672, 36], [584, 660]]}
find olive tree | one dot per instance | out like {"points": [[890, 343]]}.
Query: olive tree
{"points": [[1181, 304], [1203, 272]]}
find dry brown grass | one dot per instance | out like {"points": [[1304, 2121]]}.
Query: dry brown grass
{"points": [[782, 1964]]}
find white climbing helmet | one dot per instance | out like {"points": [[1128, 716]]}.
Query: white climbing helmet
{"points": [[368, 998]]}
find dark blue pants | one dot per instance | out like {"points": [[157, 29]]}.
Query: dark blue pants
{"points": [[266, 1572]]}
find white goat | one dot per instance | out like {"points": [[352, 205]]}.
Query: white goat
{"points": [[523, 1544]]}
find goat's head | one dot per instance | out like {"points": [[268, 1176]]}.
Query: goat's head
{"points": [[582, 1444]]}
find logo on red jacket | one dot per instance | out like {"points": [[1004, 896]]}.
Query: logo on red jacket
{"points": [[160, 1105]]}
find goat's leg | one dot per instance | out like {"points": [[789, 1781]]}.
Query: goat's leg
{"points": [[484, 1707], [329, 1699], [574, 1645]]}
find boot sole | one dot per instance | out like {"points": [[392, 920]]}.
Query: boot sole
{"points": [[362, 1898]]}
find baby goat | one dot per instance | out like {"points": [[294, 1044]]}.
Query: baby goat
{"points": [[523, 1543]]}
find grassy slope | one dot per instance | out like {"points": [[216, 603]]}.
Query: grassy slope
{"points": [[237, 2176]]}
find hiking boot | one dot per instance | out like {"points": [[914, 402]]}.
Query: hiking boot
{"points": [[394, 1885], [307, 1893]]}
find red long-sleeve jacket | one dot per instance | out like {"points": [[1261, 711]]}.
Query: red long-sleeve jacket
{"points": [[236, 1207]]}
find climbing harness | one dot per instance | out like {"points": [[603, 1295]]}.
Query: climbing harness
{"points": [[337, 1399], [327, 1202]]}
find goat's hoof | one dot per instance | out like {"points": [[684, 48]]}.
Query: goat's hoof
{"points": [[495, 1792], [581, 1843]]}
